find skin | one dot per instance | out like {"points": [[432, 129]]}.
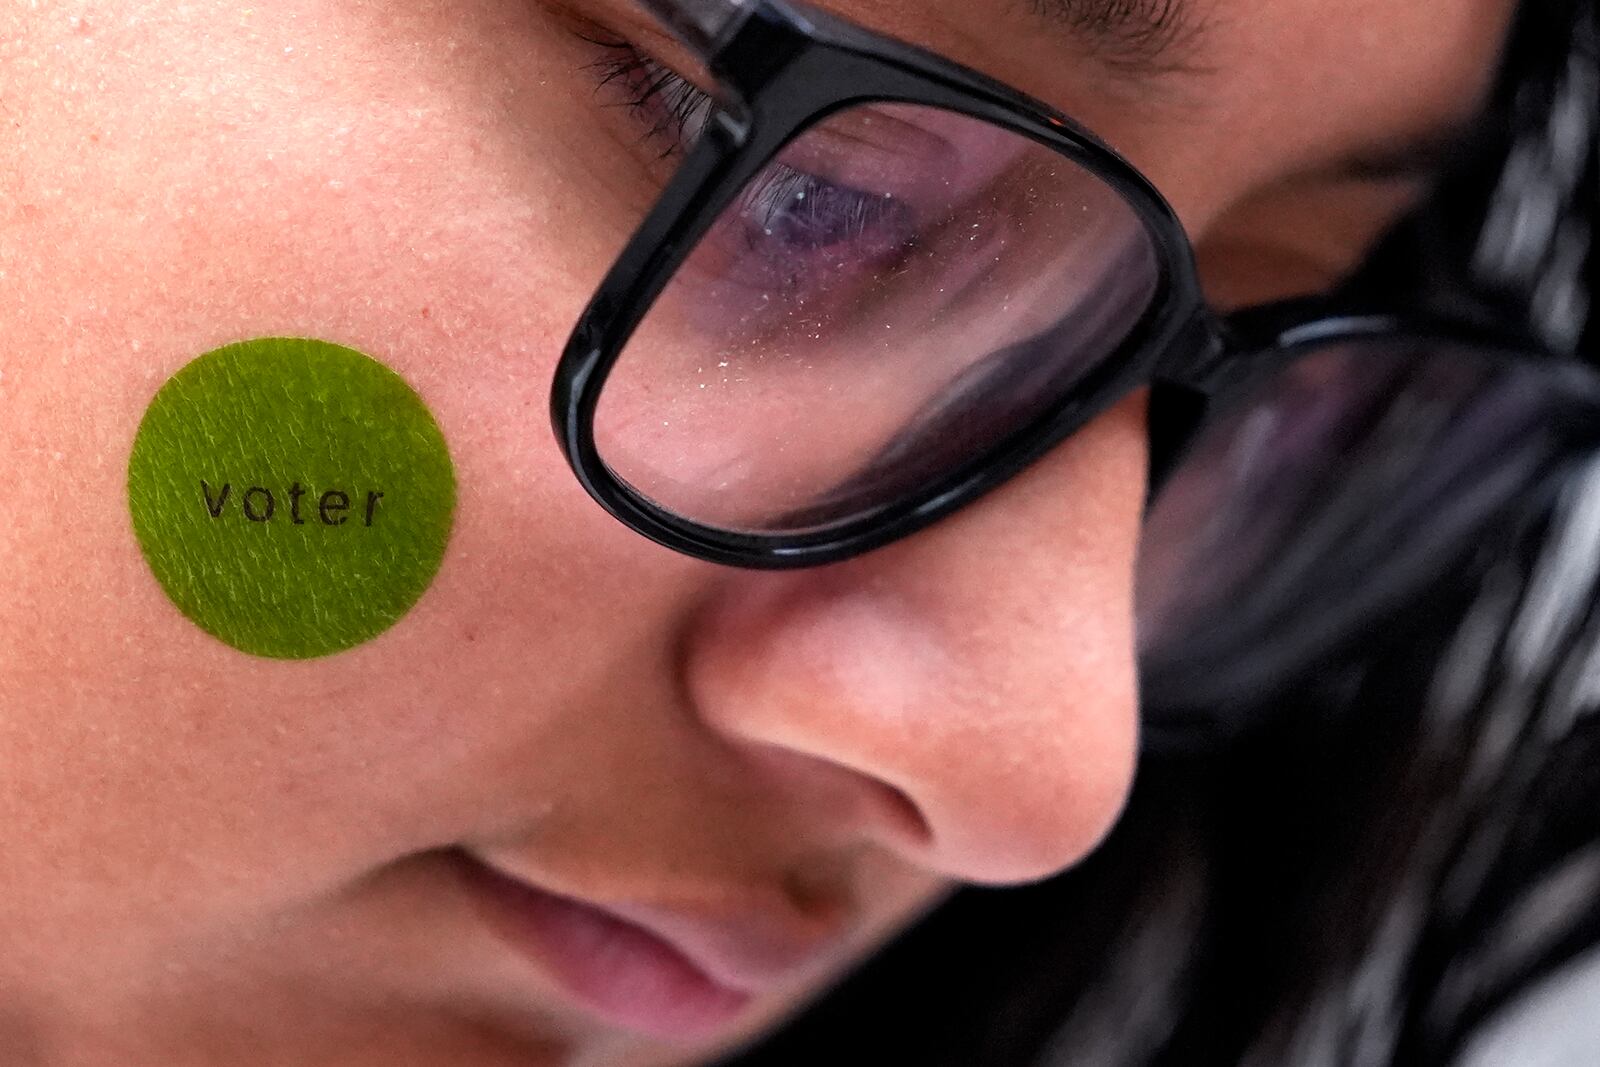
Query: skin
{"points": [[215, 858]]}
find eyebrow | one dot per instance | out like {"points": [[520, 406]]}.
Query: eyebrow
{"points": [[1145, 40], [1137, 38]]}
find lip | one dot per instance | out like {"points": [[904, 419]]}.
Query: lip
{"points": [[675, 973]]}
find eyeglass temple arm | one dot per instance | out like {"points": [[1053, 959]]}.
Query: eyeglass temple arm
{"points": [[704, 26]]}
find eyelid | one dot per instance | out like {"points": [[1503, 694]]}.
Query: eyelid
{"points": [[628, 28], [1416, 159]]}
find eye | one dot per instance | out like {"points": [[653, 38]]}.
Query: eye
{"points": [[787, 209], [803, 212]]}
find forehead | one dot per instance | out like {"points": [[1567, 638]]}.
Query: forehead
{"points": [[1346, 67], [1250, 93], [1262, 88], [1150, 48]]}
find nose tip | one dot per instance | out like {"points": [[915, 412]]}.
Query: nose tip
{"points": [[1031, 823], [881, 727]]}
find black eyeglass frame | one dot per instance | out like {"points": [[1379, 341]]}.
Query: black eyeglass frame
{"points": [[784, 68]]}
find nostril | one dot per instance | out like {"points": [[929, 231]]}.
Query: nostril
{"points": [[879, 809], [912, 823]]}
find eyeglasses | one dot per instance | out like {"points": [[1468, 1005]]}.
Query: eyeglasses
{"points": [[880, 284]]}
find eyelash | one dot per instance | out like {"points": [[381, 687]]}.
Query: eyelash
{"points": [[669, 106], [671, 109]]}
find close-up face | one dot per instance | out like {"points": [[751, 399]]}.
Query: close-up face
{"points": [[579, 798]]}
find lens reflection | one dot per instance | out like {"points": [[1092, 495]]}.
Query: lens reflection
{"points": [[893, 296], [1337, 485]]}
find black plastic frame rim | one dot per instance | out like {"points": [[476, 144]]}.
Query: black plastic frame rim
{"points": [[786, 69]]}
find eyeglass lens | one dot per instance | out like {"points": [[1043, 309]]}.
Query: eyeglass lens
{"points": [[1316, 482], [893, 296]]}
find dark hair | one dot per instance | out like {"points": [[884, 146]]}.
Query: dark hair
{"points": [[1396, 840]]}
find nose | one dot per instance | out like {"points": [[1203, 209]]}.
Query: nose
{"points": [[981, 671]]}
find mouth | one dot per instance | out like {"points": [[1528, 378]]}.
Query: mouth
{"points": [[661, 972]]}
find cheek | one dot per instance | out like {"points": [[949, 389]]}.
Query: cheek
{"points": [[177, 191]]}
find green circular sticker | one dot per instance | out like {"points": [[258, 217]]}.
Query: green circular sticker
{"points": [[293, 497]]}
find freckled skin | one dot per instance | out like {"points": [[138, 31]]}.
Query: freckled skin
{"points": [[219, 859]]}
